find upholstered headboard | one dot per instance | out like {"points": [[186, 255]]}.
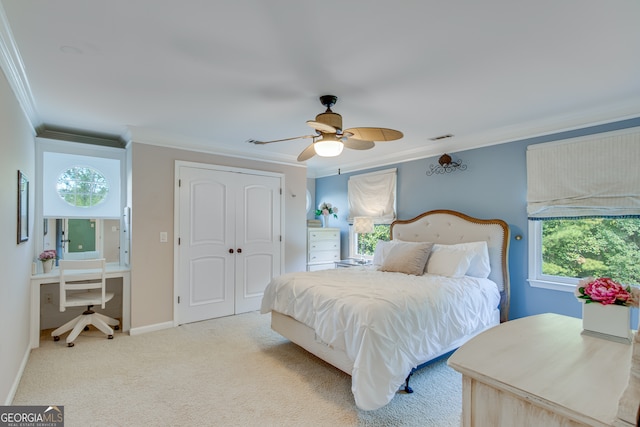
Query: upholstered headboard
{"points": [[451, 227]]}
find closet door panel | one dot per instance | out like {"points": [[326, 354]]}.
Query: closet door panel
{"points": [[259, 238]]}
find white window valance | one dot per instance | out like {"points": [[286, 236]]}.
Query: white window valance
{"points": [[373, 195], [587, 176]]}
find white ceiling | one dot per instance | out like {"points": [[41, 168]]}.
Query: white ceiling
{"points": [[213, 74]]}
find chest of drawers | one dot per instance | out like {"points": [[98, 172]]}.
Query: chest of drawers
{"points": [[323, 248]]}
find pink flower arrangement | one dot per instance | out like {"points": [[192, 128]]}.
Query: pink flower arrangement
{"points": [[607, 291], [47, 255], [327, 209]]}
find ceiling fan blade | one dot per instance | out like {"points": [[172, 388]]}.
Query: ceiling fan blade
{"points": [[321, 127], [358, 144], [374, 134], [258, 142], [308, 153]]}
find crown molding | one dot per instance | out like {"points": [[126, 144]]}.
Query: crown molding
{"points": [[68, 135], [11, 64], [143, 135], [629, 109]]}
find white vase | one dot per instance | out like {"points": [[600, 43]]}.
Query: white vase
{"points": [[610, 321], [325, 221], [47, 265]]}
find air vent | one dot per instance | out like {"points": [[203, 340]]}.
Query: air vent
{"points": [[437, 138]]}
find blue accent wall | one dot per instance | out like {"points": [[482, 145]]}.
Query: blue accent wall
{"points": [[494, 185]]}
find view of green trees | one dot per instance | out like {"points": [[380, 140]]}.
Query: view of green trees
{"points": [[82, 186], [596, 247], [367, 242]]}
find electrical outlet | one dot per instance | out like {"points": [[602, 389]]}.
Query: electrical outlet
{"points": [[48, 298]]}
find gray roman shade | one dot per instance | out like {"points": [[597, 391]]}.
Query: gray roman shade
{"points": [[596, 176]]}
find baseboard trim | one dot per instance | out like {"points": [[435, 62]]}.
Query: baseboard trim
{"points": [[16, 382], [151, 328]]}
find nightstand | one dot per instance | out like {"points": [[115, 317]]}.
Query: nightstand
{"points": [[351, 262]]}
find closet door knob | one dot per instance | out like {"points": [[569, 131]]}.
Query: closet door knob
{"points": [[239, 250], [230, 251]]}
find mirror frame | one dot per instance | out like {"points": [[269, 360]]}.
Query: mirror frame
{"points": [[23, 208]]}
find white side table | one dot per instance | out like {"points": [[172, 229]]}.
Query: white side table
{"points": [[351, 262]]}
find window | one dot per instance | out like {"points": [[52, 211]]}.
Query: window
{"points": [[79, 186], [583, 202], [570, 249], [80, 200], [371, 195], [365, 244], [82, 186]]}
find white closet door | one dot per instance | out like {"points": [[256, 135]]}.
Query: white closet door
{"points": [[207, 224], [257, 237], [229, 241]]}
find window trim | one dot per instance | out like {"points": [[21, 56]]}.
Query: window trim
{"points": [[536, 278], [353, 245]]}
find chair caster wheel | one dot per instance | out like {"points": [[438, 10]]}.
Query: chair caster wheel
{"points": [[116, 328], [70, 344], [110, 337], [56, 338]]}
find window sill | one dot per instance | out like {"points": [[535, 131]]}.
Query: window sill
{"points": [[556, 286]]}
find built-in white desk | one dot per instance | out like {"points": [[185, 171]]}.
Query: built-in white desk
{"points": [[113, 271]]}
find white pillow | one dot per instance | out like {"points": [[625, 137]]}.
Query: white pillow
{"points": [[382, 249], [480, 266], [450, 263], [407, 258]]}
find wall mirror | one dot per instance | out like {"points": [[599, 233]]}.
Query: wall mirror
{"points": [[83, 238]]}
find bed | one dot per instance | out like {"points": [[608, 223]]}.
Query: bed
{"points": [[379, 323]]}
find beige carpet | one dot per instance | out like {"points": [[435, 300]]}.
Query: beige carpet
{"points": [[232, 371]]}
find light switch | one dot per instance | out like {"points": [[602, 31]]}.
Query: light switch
{"points": [[163, 237]]}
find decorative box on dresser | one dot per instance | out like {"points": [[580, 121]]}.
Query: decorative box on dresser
{"points": [[541, 371], [323, 248]]}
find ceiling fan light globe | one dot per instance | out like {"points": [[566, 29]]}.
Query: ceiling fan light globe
{"points": [[329, 148]]}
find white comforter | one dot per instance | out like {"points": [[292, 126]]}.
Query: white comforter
{"points": [[387, 323]]}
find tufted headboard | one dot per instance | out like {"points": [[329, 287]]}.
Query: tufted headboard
{"points": [[451, 227]]}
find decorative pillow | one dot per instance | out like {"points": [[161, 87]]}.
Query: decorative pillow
{"points": [[382, 250], [407, 258], [480, 266], [450, 263]]}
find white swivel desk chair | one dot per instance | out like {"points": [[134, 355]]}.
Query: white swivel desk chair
{"points": [[83, 283]]}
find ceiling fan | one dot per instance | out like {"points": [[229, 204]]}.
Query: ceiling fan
{"points": [[330, 139]]}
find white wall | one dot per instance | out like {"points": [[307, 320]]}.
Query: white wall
{"points": [[17, 152]]}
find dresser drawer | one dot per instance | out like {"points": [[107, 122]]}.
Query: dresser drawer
{"points": [[324, 256], [317, 235], [324, 245]]}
